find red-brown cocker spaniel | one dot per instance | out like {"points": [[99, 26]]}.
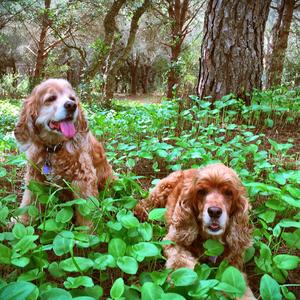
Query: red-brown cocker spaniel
{"points": [[205, 203], [59, 146]]}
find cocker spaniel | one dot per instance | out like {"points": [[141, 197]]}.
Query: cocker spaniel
{"points": [[59, 146], [205, 203]]}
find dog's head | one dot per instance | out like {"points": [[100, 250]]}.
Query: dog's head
{"points": [[51, 114], [212, 203], [219, 196]]}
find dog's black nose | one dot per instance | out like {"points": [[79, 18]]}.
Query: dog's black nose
{"points": [[70, 106], [214, 211]]}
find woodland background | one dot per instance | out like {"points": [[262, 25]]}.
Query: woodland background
{"points": [[165, 85]]}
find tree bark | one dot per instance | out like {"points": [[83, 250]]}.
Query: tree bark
{"points": [[178, 14], [109, 25], [133, 67], [145, 71], [232, 48], [278, 42], [41, 54], [114, 64]]}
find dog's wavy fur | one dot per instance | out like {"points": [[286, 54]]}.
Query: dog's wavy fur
{"points": [[186, 195], [81, 160]]}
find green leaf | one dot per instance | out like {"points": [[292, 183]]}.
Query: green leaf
{"points": [[213, 248], [4, 211], [19, 230], [26, 244], [2, 172], [83, 263], [116, 247], [292, 239], [64, 215], [289, 223], [269, 288], [145, 230], [150, 291], [127, 264], [21, 290], [129, 221], [157, 214], [286, 262], [57, 294], [203, 288], [30, 275], [63, 242], [55, 271], [234, 278], [75, 282], [145, 249], [5, 254], [104, 261], [117, 288], [171, 296], [183, 277]]}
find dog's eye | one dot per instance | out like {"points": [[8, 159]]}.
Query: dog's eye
{"points": [[228, 193], [202, 192], [72, 98], [51, 98]]}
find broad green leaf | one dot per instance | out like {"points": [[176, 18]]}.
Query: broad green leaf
{"points": [[145, 249], [286, 262], [213, 248], [104, 261], [63, 242], [76, 264], [5, 254], [269, 288], [117, 288], [150, 291], [157, 214], [235, 279], [127, 264], [203, 287], [64, 215], [75, 282], [26, 244], [21, 290], [171, 296], [292, 239], [19, 230], [145, 230], [116, 247], [57, 294], [183, 277]]}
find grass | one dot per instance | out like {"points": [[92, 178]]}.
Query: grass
{"points": [[123, 258]]}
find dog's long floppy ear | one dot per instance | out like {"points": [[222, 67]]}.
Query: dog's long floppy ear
{"points": [[24, 130], [82, 124], [184, 228], [238, 238]]}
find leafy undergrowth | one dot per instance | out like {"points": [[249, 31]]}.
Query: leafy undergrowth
{"points": [[122, 258]]}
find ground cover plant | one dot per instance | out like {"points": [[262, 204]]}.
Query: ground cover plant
{"points": [[122, 258]]}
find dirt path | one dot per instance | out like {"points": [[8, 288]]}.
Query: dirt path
{"points": [[147, 99]]}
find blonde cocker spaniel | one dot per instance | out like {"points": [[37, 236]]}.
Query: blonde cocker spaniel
{"points": [[205, 203], [59, 146]]}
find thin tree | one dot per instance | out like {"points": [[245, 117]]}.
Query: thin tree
{"points": [[232, 48], [279, 41], [113, 63]]}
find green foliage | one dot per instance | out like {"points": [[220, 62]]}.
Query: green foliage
{"points": [[122, 258]]}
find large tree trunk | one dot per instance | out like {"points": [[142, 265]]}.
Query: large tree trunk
{"points": [[278, 42], [145, 71], [232, 48], [41, 54], [113, 65]]}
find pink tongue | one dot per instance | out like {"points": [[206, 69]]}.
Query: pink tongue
{"points": [[67, 128]]}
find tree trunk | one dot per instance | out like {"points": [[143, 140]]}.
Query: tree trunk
{"points": [[114, 64], [41, 55], [232, 48], [133, 67], [178, 14], [279, 42], [145, 70]]}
